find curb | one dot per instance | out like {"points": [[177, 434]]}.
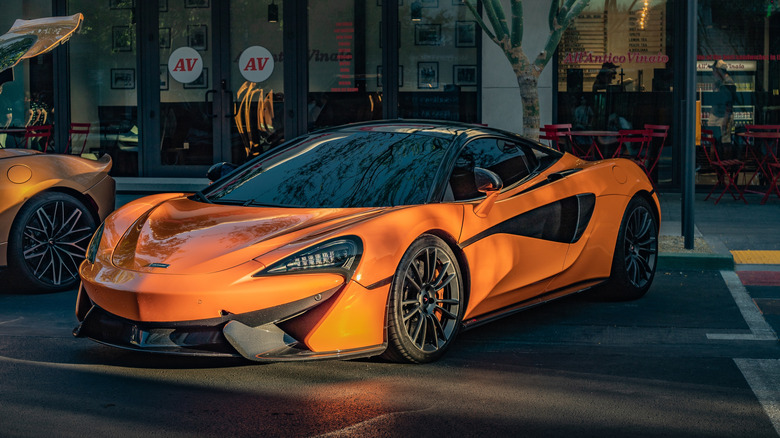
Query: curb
{"points": [[674, 261]]}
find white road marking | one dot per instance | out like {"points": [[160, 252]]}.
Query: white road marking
{"points": [[11, 320], [760, 330], [763, 376]]}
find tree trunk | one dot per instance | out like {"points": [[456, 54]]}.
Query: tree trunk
{"points": [[529, 93], [527, 81]]}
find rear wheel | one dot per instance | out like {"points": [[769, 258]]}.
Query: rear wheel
{"points": [[426, 303], [48, 241], [636, 254]]}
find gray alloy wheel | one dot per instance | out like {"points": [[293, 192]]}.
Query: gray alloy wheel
{"points": [[48, 241], [636, 254], [426, 302]]}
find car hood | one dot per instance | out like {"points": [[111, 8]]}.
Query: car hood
{"points": [[11, 153], [182, 236]]}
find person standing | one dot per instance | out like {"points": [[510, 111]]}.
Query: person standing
{"points": [[583, 116], [605, 76], [722, 117]]}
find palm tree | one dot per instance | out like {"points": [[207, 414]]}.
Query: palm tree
{"points": [[562, 13]]}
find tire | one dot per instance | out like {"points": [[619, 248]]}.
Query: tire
{"points": [[636, 254], [48, 241], [426, 303]]}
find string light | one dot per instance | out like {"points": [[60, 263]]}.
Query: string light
{"points": [[643, 14]]}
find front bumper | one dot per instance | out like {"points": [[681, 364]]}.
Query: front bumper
{"points": [[253, 335]]}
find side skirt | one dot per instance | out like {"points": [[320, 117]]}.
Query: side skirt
{"points": [[533, 302]]}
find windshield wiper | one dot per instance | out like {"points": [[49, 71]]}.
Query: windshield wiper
{"points": [[201, 197]]}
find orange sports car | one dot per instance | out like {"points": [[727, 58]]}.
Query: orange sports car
{"points": [[381, 238], [50, 205]]}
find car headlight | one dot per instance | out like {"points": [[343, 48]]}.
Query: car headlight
{"points": [[94, 244], [339, 255]]}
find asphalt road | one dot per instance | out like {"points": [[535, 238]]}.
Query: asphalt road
{"points": [[686, 360]]}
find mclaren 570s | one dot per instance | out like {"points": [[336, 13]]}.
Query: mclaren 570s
{"points": [[383, 238]]}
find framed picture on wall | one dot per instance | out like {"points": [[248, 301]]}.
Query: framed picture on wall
{"points": [[165, 37], [428, 75], [464, 74], [465, 34], [197, 36], [122, 78], [427, 34], [196, 3], [121, 39], [379, 76], [163, 5], [121, 4], [201, 82], [163, 76]]}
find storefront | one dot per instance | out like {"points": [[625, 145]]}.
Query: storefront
{"points": [[616, 70], [235, 89], [169, 87]]}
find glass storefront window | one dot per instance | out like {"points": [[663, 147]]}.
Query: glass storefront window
{"points": [[614, 72], [186, 124], [438, 66], [27, 98], [258, 107], [104, 81], [344, 61], [738, 77]]}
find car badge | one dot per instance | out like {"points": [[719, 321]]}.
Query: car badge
{"points": [[157, 265]]}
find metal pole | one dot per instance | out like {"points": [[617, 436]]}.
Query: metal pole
{"points": [[688, 69]]}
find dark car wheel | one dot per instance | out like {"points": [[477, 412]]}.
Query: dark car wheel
{"points": [[636, 254], [48, 241], [426, 303]]}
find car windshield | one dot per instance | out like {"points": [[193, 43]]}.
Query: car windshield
{"points": [[339, 170]]}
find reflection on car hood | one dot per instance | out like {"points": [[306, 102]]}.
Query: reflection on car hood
{"points": [[193, 237], [11, 153]]}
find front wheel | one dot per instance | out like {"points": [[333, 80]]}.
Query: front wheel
{"points": [[48, 241], [636, 254], [426, 303]]}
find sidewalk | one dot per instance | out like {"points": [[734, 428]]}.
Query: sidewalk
{"points": [[730, 235]]}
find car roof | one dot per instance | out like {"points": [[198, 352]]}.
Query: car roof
{"points": [[441, 128]]}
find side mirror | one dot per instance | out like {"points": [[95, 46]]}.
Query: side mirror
{"points": [[490, 184], [219, 170], [487, 181]]}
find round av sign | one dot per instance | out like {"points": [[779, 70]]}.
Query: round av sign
{"points": [[185, 65], [256, 64]]}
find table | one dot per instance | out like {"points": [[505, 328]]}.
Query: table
{"points": [[593, 135], [764, 162], [17, 133]]}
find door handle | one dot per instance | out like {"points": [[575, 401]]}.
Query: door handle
{"points": [[206, 100], [232, 110]]}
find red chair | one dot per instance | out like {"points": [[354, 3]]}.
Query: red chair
{"points": [[554, 134], [770, 163], [41, 133], [762, 128], [636, 139], [75, 130], [726, 170], [655, 132]]}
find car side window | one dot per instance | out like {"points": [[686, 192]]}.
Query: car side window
{"points": [[511, 161]]}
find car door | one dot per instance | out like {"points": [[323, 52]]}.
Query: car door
{"points": [[518, 247]]}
